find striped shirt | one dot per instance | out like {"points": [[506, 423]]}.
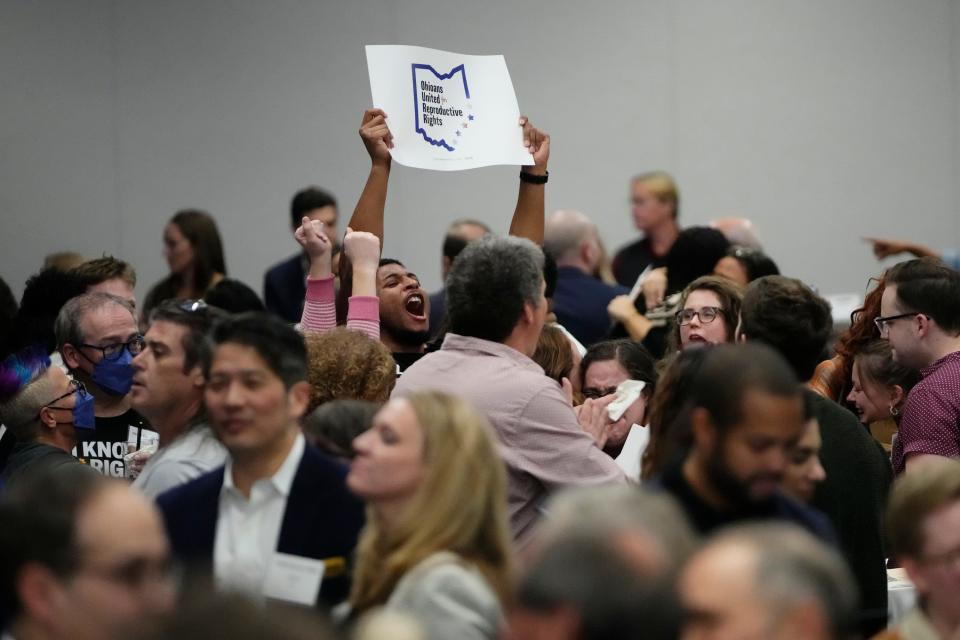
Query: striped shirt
{"points": [[320, 310]]}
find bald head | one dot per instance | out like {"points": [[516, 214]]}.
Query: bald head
{"points": [[571, 238], [739, 231]]}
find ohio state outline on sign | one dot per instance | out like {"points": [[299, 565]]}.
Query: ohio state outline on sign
{"points": [[442, 108]]}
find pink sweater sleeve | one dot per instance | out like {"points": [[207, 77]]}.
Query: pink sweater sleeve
{"points": [[320, 311], [363, 314], [319, 307]]}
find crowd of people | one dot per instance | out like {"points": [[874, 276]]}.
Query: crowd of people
{"points": [[672, 442]]}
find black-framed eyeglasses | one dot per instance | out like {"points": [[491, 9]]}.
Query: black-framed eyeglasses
{"points": [[883, 323], [113, 351], [75, 387], [706, 315]]}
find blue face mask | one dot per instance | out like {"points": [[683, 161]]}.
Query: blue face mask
{"points": [[83, 417], [115, 376]]}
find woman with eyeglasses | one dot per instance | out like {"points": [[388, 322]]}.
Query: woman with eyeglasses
{"points": [[708, 313], [194, 253]]}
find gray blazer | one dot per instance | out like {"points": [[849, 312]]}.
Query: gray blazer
{"points": [[449, 598]]}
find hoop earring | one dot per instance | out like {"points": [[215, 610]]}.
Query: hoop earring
{"points": [[894, 411]]}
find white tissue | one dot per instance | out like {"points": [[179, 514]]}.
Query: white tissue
{"points": [[627, 393]]}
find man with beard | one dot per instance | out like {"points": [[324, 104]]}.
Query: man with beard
{"points": [[788, 316], [745, 415], [404, 305]]}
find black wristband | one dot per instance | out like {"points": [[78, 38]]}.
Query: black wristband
{"points": [[531, 178]]}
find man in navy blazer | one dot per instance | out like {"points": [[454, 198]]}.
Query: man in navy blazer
{"points": [[284, 284], [279, 511]]}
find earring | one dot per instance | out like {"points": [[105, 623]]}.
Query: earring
{"points": [[894, 411]]}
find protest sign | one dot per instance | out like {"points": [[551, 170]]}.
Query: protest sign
{"points": [[447, 111]]}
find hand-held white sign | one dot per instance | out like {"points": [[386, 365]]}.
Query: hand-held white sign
{"points": [[447, 111]]}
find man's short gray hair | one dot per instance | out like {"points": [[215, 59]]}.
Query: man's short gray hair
{"points": [[792, 568], [605, 511], [489, 283], [76, 309]]}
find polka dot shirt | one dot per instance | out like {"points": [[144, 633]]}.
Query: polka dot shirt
{"points": [[931, 415]]}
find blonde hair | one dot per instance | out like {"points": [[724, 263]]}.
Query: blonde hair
{"points": [[459, 507], [661, 185]]}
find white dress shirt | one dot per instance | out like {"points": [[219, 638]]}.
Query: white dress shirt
{"points": [[248, 530]]}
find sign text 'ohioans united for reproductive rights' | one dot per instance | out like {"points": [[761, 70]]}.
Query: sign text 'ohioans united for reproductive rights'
{"points": [[447, 111]]}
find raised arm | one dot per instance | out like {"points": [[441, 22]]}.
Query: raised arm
{"points": [[363, 251], [319, 312], [528, 216], [376, 136], [884, 248]]}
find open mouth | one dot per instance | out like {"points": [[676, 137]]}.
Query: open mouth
{"points": [[414, 305]]}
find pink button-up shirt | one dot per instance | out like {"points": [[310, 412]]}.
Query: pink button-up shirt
{"points": [[537, 433]]}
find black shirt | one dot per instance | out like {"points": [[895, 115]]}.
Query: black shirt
{"points": [[30, 458], [854, 497], [705, 519], [104, 446], [695, 253]]}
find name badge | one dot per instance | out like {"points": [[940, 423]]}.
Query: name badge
{"points": [[293, 579]]}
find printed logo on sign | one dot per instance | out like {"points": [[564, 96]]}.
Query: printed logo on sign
{"points": [[442, 109]]}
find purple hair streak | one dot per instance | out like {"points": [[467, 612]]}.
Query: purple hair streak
{"points": [[20, 369]]}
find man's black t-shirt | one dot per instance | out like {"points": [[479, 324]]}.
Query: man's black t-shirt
{"points": [[695, 253], [705, 519], [405, 359], [630, 261], [104, 446], [854, 497]]}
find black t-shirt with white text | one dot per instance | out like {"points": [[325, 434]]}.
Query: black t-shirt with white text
{"points": [[104, 447]]}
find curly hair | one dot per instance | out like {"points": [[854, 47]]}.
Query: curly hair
{"points": [[346, 364], [862, 331]]}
